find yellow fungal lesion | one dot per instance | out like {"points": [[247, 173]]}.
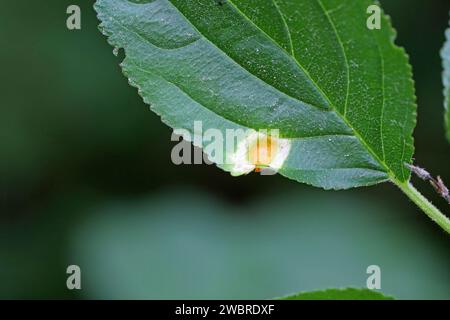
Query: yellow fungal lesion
{"points": [[260, 151]]}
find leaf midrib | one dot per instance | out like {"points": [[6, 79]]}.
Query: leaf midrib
{"points": [[342, 116]]}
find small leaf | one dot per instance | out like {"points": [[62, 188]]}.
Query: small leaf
{"points": [[341, 95], [445, 53], [339, 294]]}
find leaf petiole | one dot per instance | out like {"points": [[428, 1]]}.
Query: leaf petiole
{"points": [[423, 203]]}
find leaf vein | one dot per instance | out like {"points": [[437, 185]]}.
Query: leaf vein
{"points": [[347, 71], [288, 31]]}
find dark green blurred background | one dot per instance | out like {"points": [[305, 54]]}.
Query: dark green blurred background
{"points": [[86, 179]]}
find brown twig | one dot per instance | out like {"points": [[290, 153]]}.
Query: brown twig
{"points": [[437, 183]]}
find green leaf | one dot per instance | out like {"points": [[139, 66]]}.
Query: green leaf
{"points": [[445, 53], [341, 95], [339, 294]]}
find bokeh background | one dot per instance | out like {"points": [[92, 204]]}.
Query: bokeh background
{"points": [[86, 179]]}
